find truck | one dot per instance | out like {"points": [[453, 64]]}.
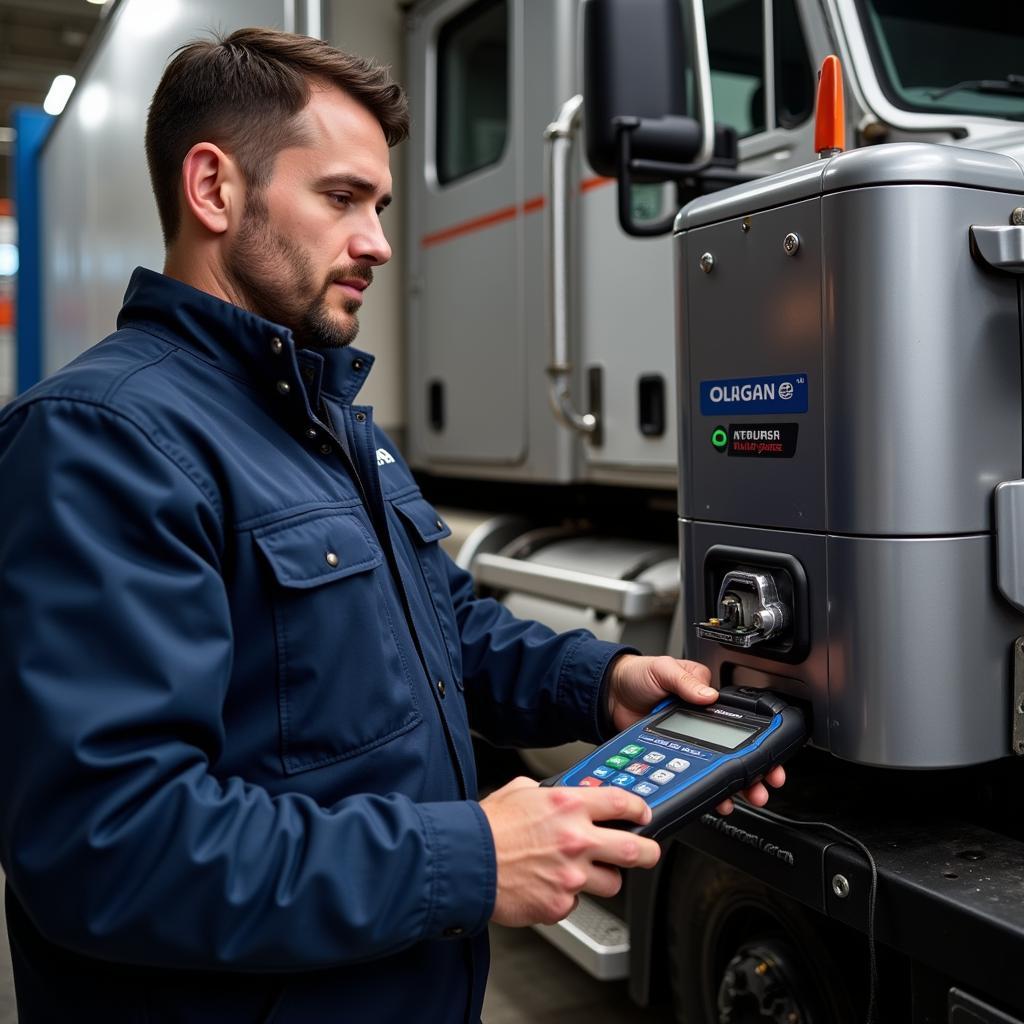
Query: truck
{"points": [[663, 368]]}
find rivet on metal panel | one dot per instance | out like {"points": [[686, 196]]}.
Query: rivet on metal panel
{"points": [[791, 244], [1017, 216], [707, 262], [745, 225], [840, 886]]}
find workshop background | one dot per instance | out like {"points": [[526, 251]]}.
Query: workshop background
{"points": [[41, 40]]}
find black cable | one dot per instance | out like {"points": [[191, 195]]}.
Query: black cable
{"points": [[872, 893]]}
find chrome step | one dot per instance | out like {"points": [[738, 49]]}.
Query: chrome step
{"points": [[594, 937]]}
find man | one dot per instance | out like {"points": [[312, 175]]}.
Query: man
{"points": [[237, 671]]}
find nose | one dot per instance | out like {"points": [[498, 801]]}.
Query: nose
{"points": [[369, 244]]}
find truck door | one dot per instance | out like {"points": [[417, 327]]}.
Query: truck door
{"points": [[467, 381]]}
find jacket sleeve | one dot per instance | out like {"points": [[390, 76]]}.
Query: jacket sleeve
{"points": [[115, 658], [525, 684]]}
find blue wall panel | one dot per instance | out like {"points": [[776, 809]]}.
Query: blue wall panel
{"points": [[32, 126]]}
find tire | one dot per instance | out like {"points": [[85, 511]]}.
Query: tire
{"points": [[742, 953]]}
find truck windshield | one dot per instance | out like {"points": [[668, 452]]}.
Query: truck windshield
{"points": [[949, 55]]}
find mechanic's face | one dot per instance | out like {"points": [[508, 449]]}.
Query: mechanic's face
{"points": [[305, 250]]}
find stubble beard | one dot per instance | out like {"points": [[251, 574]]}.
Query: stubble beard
{"points": [[273, 275]]}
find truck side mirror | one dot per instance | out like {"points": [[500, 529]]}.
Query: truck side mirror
{"points": [[635, 114]]}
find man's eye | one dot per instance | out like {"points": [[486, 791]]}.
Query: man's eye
{"points": [[340, 198]]}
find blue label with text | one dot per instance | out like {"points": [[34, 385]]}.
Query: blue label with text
{"points": [[754, 395]]}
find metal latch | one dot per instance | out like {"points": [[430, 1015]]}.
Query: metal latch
{"points": [[999, 247], [749, 610]]}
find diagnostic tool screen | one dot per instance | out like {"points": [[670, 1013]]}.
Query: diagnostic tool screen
{"points": [[685, 726]]}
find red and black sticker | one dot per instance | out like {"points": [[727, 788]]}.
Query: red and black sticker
{"points": [[756, 440]]}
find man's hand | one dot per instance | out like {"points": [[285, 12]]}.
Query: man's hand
{"points": [[549, 848], [638, 683]]}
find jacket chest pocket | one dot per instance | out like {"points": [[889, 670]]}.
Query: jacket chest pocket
{"points": [[427, 530], [343, 685]]}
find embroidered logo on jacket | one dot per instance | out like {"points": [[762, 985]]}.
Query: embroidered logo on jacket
{"points": [[384, 457]]}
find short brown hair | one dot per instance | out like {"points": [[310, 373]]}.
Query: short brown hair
{"points": [[244, 92]]}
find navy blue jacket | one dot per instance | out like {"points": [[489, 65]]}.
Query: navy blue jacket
{"points": [[237, 675]]}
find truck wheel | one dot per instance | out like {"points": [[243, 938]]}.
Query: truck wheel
{"points": [[742, 953]]}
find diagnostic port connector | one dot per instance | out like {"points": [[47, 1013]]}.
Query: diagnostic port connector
{"points": [[748, 611]]}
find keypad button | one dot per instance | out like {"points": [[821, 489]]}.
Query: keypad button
{"points": [[624, 780], [602, 771], [590, 781], [632, 750], [678, 764], [662, 777], [617, 761], [654, 757], [638, 768], [645, 789]]}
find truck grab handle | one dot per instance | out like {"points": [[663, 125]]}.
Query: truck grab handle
{"points": [[560, 136]]}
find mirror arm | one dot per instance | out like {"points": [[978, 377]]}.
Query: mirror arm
{"points": [[624, 126]]}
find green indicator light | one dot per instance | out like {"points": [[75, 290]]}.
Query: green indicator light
{"points": [[719, 437]]}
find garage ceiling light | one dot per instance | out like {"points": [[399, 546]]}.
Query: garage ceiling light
{"points": [[60, 89]]}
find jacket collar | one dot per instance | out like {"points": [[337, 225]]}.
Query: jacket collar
{"points": [[240, 343]]}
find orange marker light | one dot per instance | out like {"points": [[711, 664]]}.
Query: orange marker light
{"points": [[830, 120]]}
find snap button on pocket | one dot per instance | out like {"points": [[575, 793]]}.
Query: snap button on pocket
{"points": [[332, 559]]}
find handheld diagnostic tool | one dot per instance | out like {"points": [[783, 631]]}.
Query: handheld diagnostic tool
{"points": [[685, 758]]}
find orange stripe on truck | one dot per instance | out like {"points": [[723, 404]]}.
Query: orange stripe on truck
{"points": [[469, 226], [506, 213], [588, 183]]}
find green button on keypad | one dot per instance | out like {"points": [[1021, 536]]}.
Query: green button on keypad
{"points": [[632, 750], [617, 761]]}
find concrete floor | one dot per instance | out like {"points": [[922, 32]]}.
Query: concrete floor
{"points": [[530, 983], [8, 1013]]}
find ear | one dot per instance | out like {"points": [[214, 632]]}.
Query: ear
{"points": [[212, 185]]}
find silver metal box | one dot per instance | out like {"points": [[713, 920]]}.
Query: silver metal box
{"points": [[850, 382]]}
